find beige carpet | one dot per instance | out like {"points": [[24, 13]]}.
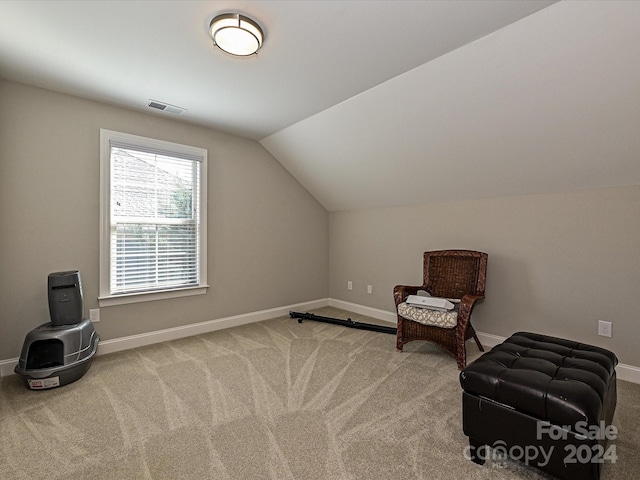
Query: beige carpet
{"points": [[273, 400]]}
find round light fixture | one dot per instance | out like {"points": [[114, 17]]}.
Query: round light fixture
{"points": [[236, 34]]}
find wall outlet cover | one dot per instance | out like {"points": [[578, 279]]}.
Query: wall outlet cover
{"points": [[604, 328]]}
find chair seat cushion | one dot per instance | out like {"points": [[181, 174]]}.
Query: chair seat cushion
{"points": [[427, 316]]}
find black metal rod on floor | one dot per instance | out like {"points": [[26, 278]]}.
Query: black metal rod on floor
{"points": [[345, 323]]}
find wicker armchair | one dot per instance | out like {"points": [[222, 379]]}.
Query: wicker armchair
{"points": [[454, 274]]}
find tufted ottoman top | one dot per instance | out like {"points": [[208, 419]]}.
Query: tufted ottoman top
{"points": [[553, 379]]}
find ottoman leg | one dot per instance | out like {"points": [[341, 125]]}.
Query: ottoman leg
{"points": [[478, 451]]}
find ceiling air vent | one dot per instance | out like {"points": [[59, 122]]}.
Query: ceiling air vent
{"points": [[165, 107]]}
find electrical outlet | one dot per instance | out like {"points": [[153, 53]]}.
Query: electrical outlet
{"points": [[604, 328], [94, 315], [369, 289], [349, 285]]}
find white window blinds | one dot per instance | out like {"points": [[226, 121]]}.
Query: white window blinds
{"points": [[154, 221]]}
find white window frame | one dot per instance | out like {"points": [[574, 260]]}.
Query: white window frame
{"points": [[107, 138]]}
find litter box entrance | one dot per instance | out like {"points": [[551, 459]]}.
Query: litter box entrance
{"points": [[45, 354]]}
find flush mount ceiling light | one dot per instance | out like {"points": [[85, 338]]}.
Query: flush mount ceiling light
{"points": [[236, 34]]}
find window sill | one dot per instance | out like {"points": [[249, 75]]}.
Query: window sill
{"points": [[126, 298]]}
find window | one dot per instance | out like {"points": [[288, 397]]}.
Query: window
{"points": [[153, 219]]}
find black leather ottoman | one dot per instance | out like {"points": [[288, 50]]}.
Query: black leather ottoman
{"points": [[543, 400]]}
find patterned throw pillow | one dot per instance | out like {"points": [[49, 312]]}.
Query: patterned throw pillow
{"points": [[426, 316]]}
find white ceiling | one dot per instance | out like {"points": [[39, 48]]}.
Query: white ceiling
{"points": [[369, 103]]}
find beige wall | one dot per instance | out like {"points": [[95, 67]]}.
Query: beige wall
{"points": [[267, 236], [557, 263]]}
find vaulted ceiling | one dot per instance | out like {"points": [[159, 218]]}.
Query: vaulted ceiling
{"points": [[369, 103]]}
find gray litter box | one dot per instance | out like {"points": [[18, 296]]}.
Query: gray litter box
{"points": [[53, 356], [59, 352]]}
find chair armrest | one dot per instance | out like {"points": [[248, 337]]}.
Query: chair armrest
{"points": [[401, 292], [467, 302], [470, 300]]}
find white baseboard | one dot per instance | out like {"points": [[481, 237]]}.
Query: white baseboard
{"points": [[133, 341], [628, 373], [7, 366], [489, 340], [143, 339], [624, 372], [363, 310]]}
